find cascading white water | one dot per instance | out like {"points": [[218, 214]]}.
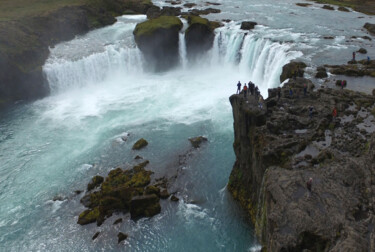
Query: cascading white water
{"points": [[257, 59], [64, 74]]}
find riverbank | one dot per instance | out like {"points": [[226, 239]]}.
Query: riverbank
{"points": [[29, 28], [367, 7], [297, 137]]}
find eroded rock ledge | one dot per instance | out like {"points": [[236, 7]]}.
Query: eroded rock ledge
{"points": [[278, 148]]}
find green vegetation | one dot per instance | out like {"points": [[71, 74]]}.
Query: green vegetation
{"points": [[364, 6], [150, 26], [140, 144], [18, 9]]}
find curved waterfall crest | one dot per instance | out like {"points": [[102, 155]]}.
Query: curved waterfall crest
{"points": [[259, 59]]}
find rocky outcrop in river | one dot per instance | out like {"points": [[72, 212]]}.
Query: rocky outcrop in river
{"points": [[26, 34], [158, 40], [295, 138]]}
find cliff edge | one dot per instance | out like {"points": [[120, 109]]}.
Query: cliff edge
{"points": [[297, 137]]}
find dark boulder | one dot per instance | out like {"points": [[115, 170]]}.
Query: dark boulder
{"points": [[141, 143], [189, 5], [146, 205], [292, 69], [153, 12], [303, 4], [328, 7], [207, 11], [174, 198], [164, 194], [199, 36], [121, 236], [197, 141], [370, 27], [119, 220], [158, 40], [95, 235], [248, 25], [362, 50], [321, 73]]}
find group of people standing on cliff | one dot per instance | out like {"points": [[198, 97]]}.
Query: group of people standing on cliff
{"points": [[252, 89]]}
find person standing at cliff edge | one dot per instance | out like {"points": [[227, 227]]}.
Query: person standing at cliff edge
{"points": [[238, 87], [245, 91], [353, 56]]}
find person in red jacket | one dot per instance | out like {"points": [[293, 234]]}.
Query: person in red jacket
{"points": [[245, 91]]}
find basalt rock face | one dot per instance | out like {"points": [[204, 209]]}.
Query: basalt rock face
{"points": [[122, 191], [199, 36], [278, 148], [158, 40], [356, 68], [24, 41], [292, 69]]}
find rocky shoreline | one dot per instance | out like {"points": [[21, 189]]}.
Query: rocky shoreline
{"points": [[278, 148]]}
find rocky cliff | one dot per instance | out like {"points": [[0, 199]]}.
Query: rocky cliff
{"points": [[27, 29], [281, 146]]}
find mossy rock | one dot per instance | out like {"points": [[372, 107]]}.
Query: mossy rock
{"points": [[88, 216], [158, 39], [95, 182], [303, 4], [199, 36], [141, 143], [292, 69], [362, 50], [149, 27], [152, 190], [197, 141], [248, 25], [328, 7], [147, 205]]}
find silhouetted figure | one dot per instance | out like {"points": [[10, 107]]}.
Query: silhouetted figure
{"points": [[245, 91], [353, 56], [368, 60], [342, 84], [309, 184], [290, 92], [238, 87], [256, 92], [261, 102], [251, 87]]}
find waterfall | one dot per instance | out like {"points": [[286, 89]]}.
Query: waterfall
{"points": [[182, 50], [64, 74], [257, 59]]}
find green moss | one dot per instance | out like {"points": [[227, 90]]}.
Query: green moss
{"points": [[141, 143], [198, 20], [150, 26], [89, 216]]}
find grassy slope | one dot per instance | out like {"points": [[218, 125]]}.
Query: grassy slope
{"points": [[19, 9], [364, 6]]}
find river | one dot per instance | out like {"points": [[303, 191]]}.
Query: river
{"points": [[101, 91]]}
